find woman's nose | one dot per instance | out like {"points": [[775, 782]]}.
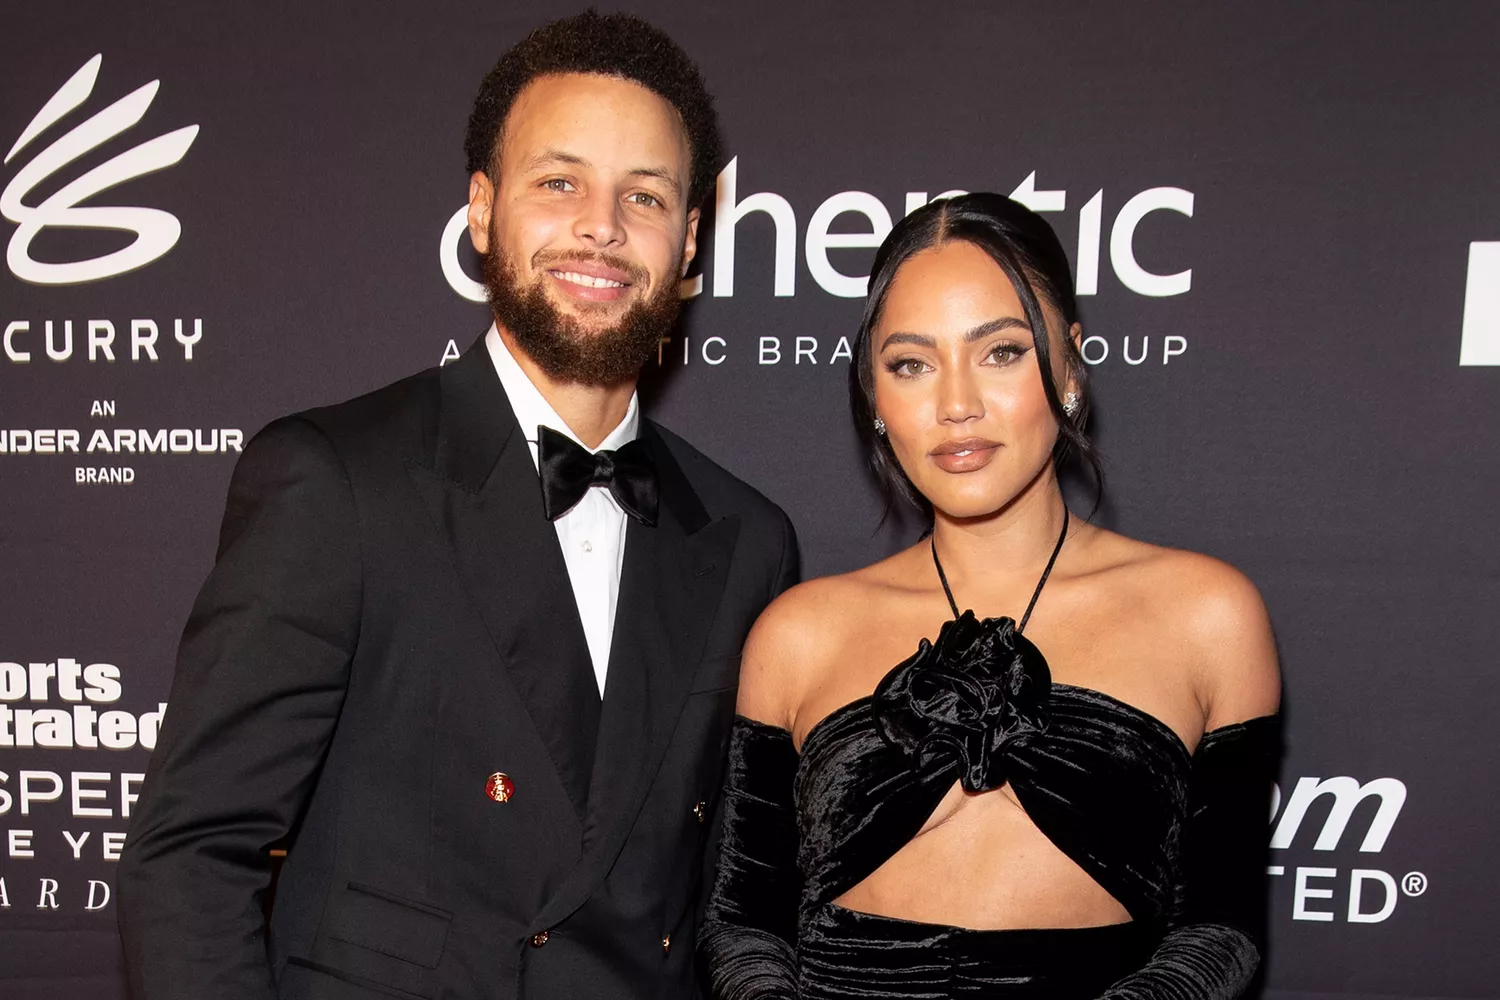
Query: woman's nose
{"points": [[958, 397]]}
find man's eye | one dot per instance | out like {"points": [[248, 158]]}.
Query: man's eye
{"points": [[556, 184], [645, 200]]}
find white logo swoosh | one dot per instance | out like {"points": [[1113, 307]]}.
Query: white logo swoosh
{"points": [[155, 231]]}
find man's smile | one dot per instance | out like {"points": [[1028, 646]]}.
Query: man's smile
{"points": [[590, 280]]}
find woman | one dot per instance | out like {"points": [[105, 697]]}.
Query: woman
{"points": [[981, 820]]}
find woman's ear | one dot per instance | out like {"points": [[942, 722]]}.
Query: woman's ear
{"points": [[1075, 334]]}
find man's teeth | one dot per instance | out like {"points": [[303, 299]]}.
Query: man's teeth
{"points": [[588, 280]]}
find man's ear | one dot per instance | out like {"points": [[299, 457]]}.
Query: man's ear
{"points": [[481, 204], [690, 241]]}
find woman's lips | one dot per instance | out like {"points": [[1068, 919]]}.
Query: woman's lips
{"points": [[966, 455]]}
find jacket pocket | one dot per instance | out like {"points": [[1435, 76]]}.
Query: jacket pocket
{"points": [[304, 980], [722, 673], [380, 921]]}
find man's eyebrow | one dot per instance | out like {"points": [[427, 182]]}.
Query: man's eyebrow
{"points": [[978, 332], [547, 156], [660, 173]]}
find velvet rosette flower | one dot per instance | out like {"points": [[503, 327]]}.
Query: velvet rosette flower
{"points": [[978, 692]]}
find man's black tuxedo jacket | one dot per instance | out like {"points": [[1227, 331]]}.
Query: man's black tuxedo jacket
{"points": [[388, 623]]}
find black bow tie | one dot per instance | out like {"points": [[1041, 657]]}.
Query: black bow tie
{"points": [[569, 470]]}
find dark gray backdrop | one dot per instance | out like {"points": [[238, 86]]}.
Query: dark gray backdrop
{"points": [[1315, 426]]}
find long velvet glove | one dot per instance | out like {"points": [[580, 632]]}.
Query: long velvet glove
{"points": [[748, 942], [1214, 942]]}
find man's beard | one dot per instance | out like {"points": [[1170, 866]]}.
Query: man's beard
{"points": [[565, 349]]}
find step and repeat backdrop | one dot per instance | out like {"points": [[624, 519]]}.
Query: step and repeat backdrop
{"points": [[1285, 222]]}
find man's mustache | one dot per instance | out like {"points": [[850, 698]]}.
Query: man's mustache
{"points": [[553, 258]]}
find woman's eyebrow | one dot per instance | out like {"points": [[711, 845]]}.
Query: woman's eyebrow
{"points": [[976, 333]]}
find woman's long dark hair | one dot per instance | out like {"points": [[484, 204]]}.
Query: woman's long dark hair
{"points": [[1027, 250]]}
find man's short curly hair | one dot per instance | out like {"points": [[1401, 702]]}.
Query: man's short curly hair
{"points": [[616, 45]]}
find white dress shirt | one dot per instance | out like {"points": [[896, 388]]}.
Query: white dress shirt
{"points": [[592, 534]]}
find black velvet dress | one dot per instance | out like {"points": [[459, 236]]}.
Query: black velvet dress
{"points": [[1178, 839]]}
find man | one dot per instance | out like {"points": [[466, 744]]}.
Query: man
{"points": [[490, 713]]}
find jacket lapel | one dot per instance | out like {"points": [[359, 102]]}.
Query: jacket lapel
{"points": [[483, 493], [674, 575]]}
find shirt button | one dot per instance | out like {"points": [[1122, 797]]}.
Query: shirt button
{"points": [[587, 545], [537, 940]]}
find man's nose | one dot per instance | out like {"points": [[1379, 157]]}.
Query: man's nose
{"points": [[598, 223]]}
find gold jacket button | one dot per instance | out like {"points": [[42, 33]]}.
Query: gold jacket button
{"points": [[537, 940], [666, 944], [499, 787], [701, 812]]}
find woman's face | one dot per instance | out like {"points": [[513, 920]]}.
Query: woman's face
{"points": [[957, 384]]}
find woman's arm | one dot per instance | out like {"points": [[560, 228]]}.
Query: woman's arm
{"points": [[1216, 935], [749, 936], [748, 942]]}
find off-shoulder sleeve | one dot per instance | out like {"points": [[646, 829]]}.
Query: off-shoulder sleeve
{"points": [[1216, 936], [748, 942]]}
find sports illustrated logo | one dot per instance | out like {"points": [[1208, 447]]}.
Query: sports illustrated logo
{"points": [[1481, 343], [155, 231], [65, 815], [1369, 894]]}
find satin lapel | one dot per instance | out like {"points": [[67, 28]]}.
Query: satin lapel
{"points": [[484, 495], [670, 588]]}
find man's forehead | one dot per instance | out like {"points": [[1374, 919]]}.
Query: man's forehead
{"points": [[587, 119], [591, 101]]}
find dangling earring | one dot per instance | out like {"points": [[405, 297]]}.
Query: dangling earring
{"points": [[1071, 404], [879, 426]]}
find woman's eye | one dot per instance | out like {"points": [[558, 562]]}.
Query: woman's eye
{"points": [[1008, 353], [906, 367]]}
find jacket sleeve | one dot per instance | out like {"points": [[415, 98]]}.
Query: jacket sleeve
{"points": [[748, 942], [261, 675], [789, 571], [1215, 940]]}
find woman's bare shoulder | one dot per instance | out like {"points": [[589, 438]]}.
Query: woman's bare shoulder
{"points": [[800, 634], [1214, 613]]}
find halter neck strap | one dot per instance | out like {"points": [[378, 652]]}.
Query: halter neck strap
{"points": [[948, 591]]}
